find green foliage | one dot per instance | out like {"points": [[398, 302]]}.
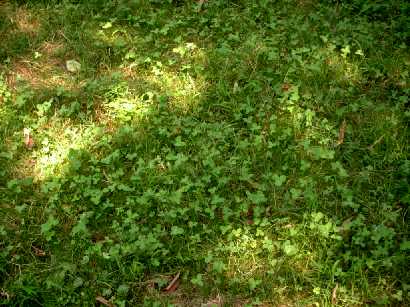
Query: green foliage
{"points": [[259, 148]]}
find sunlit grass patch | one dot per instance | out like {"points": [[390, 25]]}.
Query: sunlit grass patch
{"points": [[128, 107], [273, 258], [49, 152], [342, 66], [177, 79], [54, 146], [183, 90]]}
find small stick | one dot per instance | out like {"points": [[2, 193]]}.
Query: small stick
{"points": [[376, 142], [334, 298], [342, 131], [103, 301], [172, 284]]}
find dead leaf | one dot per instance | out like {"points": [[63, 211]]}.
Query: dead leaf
{"points": [[4, 295], [28, 139], [97, 237], [342, 131], [103, 301], [29, 143], [344, 229], [173, 285], [334, 292], [73, 66], [286, 87], [249, 215], [200, 5], [216, 302], [38, 251], [235, 87]]}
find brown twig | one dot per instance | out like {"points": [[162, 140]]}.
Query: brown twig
{"points": [[103, 301], [173, 285], [342, 131], [38, 251], [334, 292], [376, 142]]}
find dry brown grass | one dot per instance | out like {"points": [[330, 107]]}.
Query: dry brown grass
{"points": [[25, 21], [46, 72], [51, 48], [48, 69]]}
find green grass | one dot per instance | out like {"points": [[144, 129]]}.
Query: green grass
{"points": [[258, 148]]}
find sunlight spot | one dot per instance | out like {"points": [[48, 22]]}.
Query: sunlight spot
{"points": [[127, 108], [342, 68], [49, 158], [183, 88], [185, 49], [245, 255]]}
